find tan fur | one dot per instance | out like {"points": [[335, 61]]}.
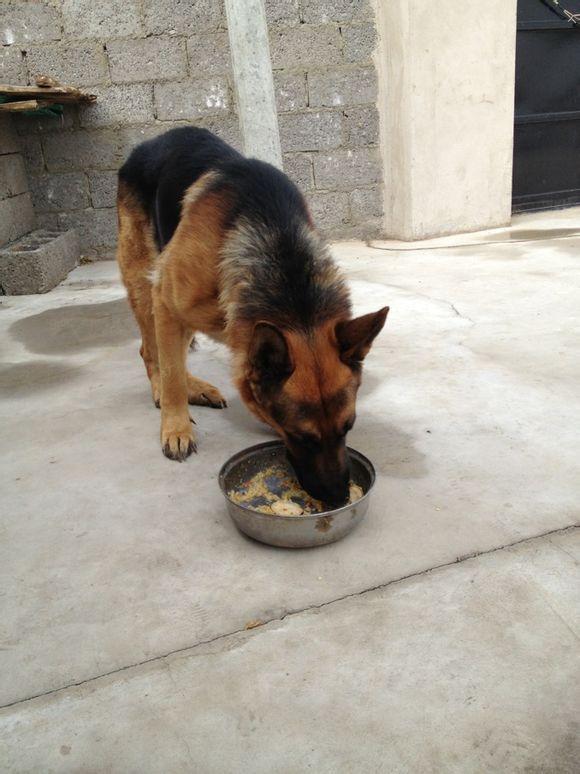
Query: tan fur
{"points": [[136, 254], [185, 300], [319, 376], [191, 286], [178, 303]]}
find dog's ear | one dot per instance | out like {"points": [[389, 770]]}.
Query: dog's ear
{"points": [[269, 356], [355, 337]]}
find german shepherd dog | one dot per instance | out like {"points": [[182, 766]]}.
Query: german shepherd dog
{"points": [[214, 242]]}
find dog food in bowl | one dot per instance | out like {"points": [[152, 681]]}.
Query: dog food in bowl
{"points": [[275, 491], [273, 523]]}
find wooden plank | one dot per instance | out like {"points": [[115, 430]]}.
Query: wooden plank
{"points": [[56, 93], [25, 104], [9, 89]]}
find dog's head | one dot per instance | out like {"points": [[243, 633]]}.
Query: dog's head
{"points": [[305, 387]]}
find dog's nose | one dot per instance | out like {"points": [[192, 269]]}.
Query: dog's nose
{"points": [[327, 485], [337, 495], [333, 492]]}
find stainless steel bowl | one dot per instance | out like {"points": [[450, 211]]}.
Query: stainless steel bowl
{"points": [[315, 529]]}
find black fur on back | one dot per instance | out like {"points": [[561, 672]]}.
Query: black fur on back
{"points": [[275, 265], [160, 170]]}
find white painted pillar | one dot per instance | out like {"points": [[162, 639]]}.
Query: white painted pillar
{"points": [[446, 100], [248, 33]]}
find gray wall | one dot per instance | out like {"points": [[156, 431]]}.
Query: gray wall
{"points": [[155, 64], [327, 91], [16, 212]]}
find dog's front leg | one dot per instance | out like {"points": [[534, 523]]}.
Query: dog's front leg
{"points": [[177, 437]]}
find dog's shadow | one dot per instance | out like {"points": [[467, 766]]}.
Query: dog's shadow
{"points": [[72, 329], [392, 450], [242, 419]]}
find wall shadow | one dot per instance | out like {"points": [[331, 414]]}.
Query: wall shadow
{"points": [[69, 330], [22, 379]]}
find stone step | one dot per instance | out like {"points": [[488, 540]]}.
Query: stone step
{"points": [[38, 261]]}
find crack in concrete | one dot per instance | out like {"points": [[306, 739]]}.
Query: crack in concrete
{"points": [[544, 238], [162, 658], [458, 313], [414, 292]]}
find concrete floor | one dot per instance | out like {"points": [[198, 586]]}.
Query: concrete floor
{"points": [[442, 635]]}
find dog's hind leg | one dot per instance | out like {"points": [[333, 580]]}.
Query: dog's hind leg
{"points": [[136, 254], [200, 393]]}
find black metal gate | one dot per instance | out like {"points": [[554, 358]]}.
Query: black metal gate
{"points": [[547, 107]]}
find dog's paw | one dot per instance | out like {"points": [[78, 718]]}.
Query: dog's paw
{"points": [[200, 393], [178, 444]]}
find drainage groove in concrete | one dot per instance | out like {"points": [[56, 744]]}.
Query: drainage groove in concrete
{"points": [[191, 648]]}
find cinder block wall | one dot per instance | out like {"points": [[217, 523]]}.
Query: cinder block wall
{"points": [[326, 89], [156, 64], [16, 212]]}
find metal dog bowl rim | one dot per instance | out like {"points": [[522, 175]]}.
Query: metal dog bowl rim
{"points": [[251, 450]]}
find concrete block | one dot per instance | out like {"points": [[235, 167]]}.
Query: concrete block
{"points": [[191, 99], [28, 22], [12, 67], [47, 221], [355, 86], [347, 168], [359, 42], [209, 55], [83, 149], [103, 19], [119, 104], [31, 152], [97, 229], [373, 228], [366, 204], [225, 126], [324, 11], [361, 126], [13, 178], [312, 130], [130, 136], [305, 47], [55, 193], [16, 217], [298, 167], [8, 138], [103, 188], [152, 59], [26, 125], [182, 17], [329, 211], [76, 64], [38, 262], [290, 91], [284, 13]]}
